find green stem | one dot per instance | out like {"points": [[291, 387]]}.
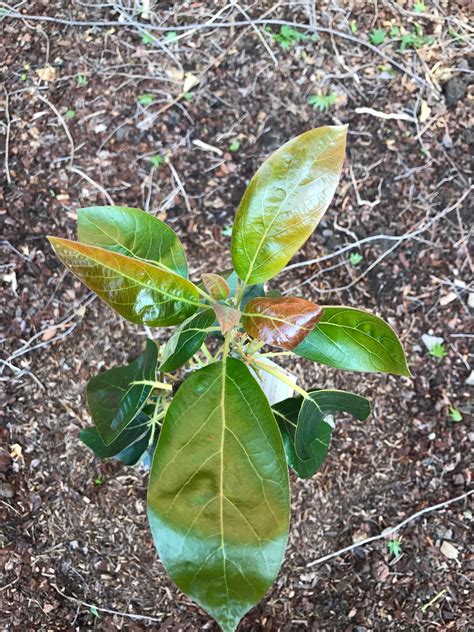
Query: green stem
{"points": [[207, 354], [154, 420], [159, 385], [283, 378]]}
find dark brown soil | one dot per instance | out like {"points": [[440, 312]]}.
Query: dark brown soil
{"points": [[73, 530]]}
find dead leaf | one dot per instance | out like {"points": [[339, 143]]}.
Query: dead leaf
{"points": [[48, 73], [190, 81], [449, 551]]}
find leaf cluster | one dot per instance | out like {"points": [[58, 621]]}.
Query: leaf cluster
{"points": [[218, 497]]}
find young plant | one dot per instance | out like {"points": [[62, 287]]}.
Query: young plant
{"points": [[218, 497]]}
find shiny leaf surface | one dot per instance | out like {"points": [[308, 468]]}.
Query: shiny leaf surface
{"points": [[129, 446], [280, 321], [187, 340], [132, 232], [304, 422], [113, 401], [228, 317], [354, 340], [217, 286], [284, 202], [218, 497], [138, 291]]}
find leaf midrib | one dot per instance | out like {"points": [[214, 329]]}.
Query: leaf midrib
{"points": [[136, 281]]}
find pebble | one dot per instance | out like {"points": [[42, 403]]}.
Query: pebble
{"points": [[6, 490]]}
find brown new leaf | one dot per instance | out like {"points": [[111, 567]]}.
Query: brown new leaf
{"points": [[282, 321], [216, 285], [228, 317]]}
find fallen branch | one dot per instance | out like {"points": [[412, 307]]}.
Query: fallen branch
{"points": [[227, 25], [388, 532]]}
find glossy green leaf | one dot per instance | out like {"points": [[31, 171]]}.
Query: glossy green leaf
{"points": [[138, 291], [303, 422], [282, 321], [218, 498], [354, 340], [129, 446], [187, 340], [134, 233], [285, 201], [112, 398]]}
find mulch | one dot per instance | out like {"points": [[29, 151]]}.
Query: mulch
{"points": [[75, 549]]}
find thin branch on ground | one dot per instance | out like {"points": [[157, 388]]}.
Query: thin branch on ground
{"points": [[388, 532], [229, 25], [136, 617], [399, 239], [95, 184], [7, 137], [63, 123]]}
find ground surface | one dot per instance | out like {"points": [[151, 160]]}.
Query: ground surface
{"points": [[73, 529]]}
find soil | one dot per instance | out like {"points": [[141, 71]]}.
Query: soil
{"points": [[76, 552]]}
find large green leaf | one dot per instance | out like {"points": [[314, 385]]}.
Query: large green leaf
{"points": [[305, 431], [138, 291], [129, 446], [134, 233], [187, 340], [113, 401], [351, 339], [284, 202], [218, 498]]}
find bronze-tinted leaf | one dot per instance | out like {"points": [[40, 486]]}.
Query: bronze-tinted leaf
{"points": [[228, 317], [138, 291], [280, 321], [216, 285], [284, 202]]}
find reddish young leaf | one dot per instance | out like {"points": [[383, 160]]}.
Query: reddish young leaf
{"points": [[281, 321], [228, 317], [216, 285]]}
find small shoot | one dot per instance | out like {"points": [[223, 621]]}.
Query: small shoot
{"points": [[81, 80], [187, 96], [322, 102], [419, 7], [157, 160], [145, 99], [234, 145], [353, 26], [394, 547], [377, 37], [438, 350], [355, 258], [94, 612], [171, 36], [70, 114], [148, 39], [288, 36], [99, 480], [455, 414]]}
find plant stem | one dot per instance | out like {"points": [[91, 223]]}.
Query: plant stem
{"points": [[154, 420], [283, 378], [207, 354], [159, 385]]}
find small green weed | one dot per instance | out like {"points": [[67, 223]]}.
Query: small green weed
{"points": [[355, 258], [322, 102], [234, 145], [145, 99], [455, 414], [394, 547], [156, 160], [288, 36], [70, 114], [377, 37], [438, 350], [81, 80]]}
